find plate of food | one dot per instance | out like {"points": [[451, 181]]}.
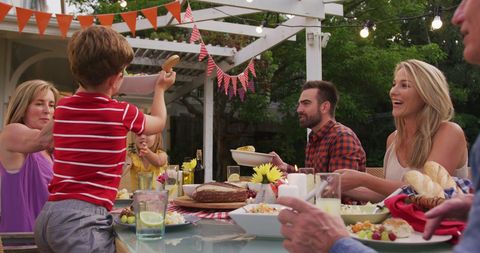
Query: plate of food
{"points": [[123, 198], [214, 195], [393, 231], [247, 156], [259, 219], [173, 220], [352, 214]]}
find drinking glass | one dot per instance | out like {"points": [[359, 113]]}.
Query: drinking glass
{"points": [[233, 173], [150, 210], [145, 179], [329, 198], [310, 172], [171, 184]]}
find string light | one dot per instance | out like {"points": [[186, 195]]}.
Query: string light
{"points": [[366, 29], [290, 16], [249, 1], [437, 20], [259, 28], [123, 3]]}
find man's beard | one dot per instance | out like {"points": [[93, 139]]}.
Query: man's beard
{"points": [[310, 121]]}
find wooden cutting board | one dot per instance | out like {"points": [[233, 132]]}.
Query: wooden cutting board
{"points": [[186, 201]]}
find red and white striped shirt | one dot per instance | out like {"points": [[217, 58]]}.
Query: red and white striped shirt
{"points": [[89, 134]]}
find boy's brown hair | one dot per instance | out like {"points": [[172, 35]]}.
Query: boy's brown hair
{"points": [[96, 54]]}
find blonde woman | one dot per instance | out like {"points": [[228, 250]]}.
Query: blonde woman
{"points": [[422, 110], [147, 156], [25, 164]]}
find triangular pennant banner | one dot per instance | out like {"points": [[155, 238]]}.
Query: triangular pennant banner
{"points": [[241, 94], [241, 77], [251, 87], [188, 17], [174, 9], [151, 15], [85, 21], [245, 74], [23, 15], [130, 18], [219, 76], [210, 65], [230, 92], [234, 84], [195, 34], [64, 22], [226, 82], [42, 19], [4, 9], [203, 52], [251, 67], [105, 19]]}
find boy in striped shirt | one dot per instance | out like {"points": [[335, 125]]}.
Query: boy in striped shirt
{"points": [[89, 132]]}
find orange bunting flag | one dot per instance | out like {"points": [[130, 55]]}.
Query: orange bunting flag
{"points": [[151, 15], [210, 65], [64, 22], [219, 76], [251, 67], [234, 84], [174, 9], [4, 9], [130, 18], [23, 15], [203, 52], [105, 19], [42, 19], [226, 82], [85, 21]]}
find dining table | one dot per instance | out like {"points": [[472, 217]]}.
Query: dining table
{"points": [[223, 235]]}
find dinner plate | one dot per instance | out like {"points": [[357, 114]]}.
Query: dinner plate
{"points": [[138, 85], [185, 201], [189, 219], [414, 239]]}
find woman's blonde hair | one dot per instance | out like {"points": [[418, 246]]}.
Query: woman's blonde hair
{"points": [[23, 96], [432, 87]]}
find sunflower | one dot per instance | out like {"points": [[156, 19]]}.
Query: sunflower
{"points": [[266, 173]]}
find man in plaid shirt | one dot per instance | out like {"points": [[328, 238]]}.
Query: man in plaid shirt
{"points": [[331, 145]]}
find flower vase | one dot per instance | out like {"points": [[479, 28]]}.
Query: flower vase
{"points": [[265, 194]]}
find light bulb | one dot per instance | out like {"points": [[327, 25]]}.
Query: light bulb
{"points": [[437, 23], [364, 32], [259, 29], [123, 3], [249, 1]]}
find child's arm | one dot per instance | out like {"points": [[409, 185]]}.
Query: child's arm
{"points": [[155, 122]]}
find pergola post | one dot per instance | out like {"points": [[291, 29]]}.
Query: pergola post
{"points": [[313, 49], [208, 97]]}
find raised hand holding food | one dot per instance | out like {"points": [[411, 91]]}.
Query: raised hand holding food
{"points": [[168, 65]]}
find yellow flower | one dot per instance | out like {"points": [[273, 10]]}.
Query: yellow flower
{"points": [[190, 165], [266, 173]]}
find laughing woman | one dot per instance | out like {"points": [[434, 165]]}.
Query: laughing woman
{"points": [[422, 110], [25, 164]]}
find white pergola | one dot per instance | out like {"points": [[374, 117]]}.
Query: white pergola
{"points": [[191, 74]]}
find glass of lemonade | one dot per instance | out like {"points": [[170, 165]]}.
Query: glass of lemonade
{"points": [[145, 179], [310, 172], [330, 197], [150, 209], [233, 173]]}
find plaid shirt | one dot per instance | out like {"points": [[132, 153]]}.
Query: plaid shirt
{"points": [[334, 147]]}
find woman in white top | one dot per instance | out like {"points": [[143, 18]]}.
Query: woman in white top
{"points": [[422, 110]]}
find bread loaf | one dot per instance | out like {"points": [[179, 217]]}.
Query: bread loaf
{"points": [[439, 175], [423, 184], [424, 202], [216, 192]]}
